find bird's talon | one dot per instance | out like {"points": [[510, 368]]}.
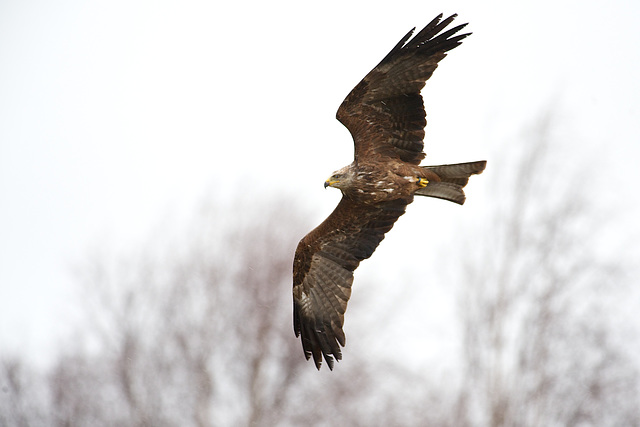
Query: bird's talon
{"points": [[422, 182]]}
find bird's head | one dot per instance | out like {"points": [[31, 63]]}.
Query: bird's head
{"points": [[339, 179]]}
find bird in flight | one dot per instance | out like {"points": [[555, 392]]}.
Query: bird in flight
{"points": [[386, 118]]}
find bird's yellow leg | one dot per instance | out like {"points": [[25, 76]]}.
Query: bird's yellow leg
{"points": [[422, 182]]}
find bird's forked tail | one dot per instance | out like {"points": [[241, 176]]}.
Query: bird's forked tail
{"points": [[453, 179]]}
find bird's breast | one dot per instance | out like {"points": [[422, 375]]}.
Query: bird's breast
{"points": [[370, 186]]}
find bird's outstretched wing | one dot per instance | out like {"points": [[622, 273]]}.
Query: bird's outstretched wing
{"points": [[323, 272], [384, 112]]}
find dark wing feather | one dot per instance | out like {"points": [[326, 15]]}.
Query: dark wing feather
{"points": [[323, 272], [384, 112]]}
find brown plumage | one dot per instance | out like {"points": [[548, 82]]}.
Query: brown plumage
{"points": [[386, 118]]}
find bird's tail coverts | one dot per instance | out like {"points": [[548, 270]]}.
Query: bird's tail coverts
{"points": [[454, 178]]}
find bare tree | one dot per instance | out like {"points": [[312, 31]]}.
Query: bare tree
{"points": [[537, 347], [193, 333], [198, 331], [195, 328], [23, 399]]}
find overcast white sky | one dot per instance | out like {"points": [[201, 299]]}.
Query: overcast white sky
{"points": [[116, 115]]}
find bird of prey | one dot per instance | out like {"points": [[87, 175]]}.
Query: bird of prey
{"points": [[386, 118]]}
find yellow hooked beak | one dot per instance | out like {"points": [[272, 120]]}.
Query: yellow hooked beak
{"points": [[330, 182]]}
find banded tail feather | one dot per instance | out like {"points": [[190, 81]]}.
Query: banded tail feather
{"points": [[454, 178]]}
